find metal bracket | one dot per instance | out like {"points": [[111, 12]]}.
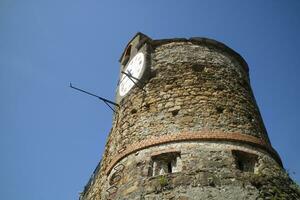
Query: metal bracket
{"points": [[106, 101]]}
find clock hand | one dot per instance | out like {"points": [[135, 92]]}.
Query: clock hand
{"points": [[131, 78], [129, 75], [124, 76]]}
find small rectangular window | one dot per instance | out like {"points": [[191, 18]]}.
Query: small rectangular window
{"points": [[165, 163], [245, 162]]}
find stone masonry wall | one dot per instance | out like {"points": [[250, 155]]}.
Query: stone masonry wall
{"points": [[208, 172], [201, 89], [192, 88]]}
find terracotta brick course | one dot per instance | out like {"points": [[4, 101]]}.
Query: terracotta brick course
{"points": [[195, 136]]}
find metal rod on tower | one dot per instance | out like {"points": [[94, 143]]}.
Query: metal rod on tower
{"points": [[106, 101]]}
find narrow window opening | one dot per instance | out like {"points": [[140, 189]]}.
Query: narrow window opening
{"points": [[169, 167], [128, 51], [126, 55], [165, 163], [245, 162]]}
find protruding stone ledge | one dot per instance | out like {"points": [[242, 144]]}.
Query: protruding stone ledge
{"points": [[195, 136]]}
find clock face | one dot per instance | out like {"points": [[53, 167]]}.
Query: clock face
{"points": [[134, 69]]}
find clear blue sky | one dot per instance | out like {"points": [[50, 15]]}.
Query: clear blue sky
{"points": [[52, 137]]}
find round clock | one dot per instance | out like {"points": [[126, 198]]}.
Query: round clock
{"points": [[133, 69]]}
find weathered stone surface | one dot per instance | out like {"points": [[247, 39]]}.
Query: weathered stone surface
{"points": [[197, 86]]}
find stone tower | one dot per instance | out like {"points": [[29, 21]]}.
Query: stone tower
{"points": [[187, 128]]}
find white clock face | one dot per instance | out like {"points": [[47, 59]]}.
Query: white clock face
{"points": [[134, 69]]}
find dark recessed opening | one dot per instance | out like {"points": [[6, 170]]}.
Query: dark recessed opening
{"points": [[116, 177], [219, 88], [250, 118], [133, 111], [128, 51], [169, 167], [138, 164], [165, 163], [244, 83], [198, 67], [175, 112], [219, 109], [127, 55], [240, 165], [147, 106], [245, 162], [152, 74]]}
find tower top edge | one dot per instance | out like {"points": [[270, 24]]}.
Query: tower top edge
{"points": [[195, 40]]}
